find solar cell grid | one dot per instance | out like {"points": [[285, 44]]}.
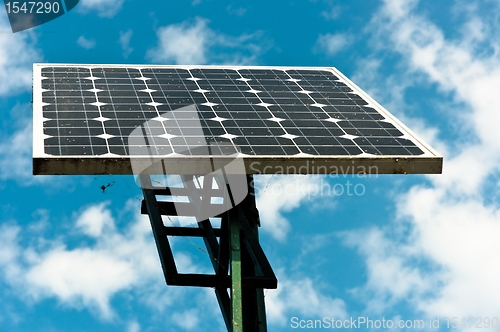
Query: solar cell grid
{"points": [[90, 111]]}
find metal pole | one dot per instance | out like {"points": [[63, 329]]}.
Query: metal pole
{"points": [[259, 292], [254, 302], [236, 275]]}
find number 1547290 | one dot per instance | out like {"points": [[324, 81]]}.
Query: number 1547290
{"points": [[32, 7]]}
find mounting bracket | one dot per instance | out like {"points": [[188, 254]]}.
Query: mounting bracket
{"points": [[234, 248]]}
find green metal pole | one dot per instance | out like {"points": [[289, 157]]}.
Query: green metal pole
{"points": [[259, 299], [236, 275]]}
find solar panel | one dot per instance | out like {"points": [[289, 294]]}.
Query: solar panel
{"points": [[298, 119]]}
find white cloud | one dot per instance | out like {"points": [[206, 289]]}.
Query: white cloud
{"points": [[104, 8], [473, 79], [452, 223], [133, 327], [332, 13], [392, 277], [16, 152], [300, 298], [125, 42], [182, 43], [86, 43], [187, 320], [237, 11], [17, 54], [331, 44], [195, 43], [81, 275], [9, 250], [87, 276], [95, 219], [278, 194], [461, 236]]}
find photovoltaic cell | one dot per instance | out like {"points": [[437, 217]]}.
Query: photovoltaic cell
{"points": [[86, 113]]}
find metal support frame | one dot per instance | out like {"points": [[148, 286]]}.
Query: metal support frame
{"points": [[234, 248]]}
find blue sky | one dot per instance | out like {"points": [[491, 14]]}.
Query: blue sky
{"points": [[73, 258]]}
